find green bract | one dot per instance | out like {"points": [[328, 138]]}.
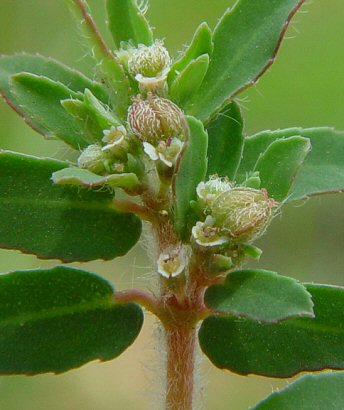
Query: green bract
{"points": [[162, 140]]}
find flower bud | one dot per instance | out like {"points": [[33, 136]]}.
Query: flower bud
{"points": [[243, 213], [149, 61], [155, 119], [93, 158]]}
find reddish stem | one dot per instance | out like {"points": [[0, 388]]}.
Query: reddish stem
{"points": [[145, 299], [128, 206], [181, 344]]}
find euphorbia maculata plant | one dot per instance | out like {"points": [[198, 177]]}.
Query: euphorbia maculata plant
{"points": [[161, 140]]}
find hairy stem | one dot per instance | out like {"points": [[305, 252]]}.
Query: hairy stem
{"points": [[181, 344], [181, 307]]}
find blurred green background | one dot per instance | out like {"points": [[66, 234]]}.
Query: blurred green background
{"points": [[305, 87]]}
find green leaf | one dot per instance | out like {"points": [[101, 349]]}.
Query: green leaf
{"points": [[246, 40], [91, 115], [100, 111], [47, 67], [92, 131], [310, 392], [323, 169], [189, 80], [83, 177], [284, 349], [260, 295], [127, 23], [201, 44], [191, 170], [40, 100], [53, 320], [59, 222], [280, 163], [226, 142]]}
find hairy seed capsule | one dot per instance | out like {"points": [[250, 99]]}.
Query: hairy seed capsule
{"points": [[244, 213], [149, 61], [155, 119]]}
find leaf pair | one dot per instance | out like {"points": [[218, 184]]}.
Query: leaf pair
{"points": [[243, 337], [292, 164], [282, 349], [322, 170], [188, 72], [34, 86]]}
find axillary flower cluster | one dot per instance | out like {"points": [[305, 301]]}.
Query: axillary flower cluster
{"points": [[155, 125], [229, 217]]}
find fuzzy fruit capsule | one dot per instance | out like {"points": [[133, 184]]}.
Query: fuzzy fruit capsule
{"points": [[149, 61], [243, 213], [93, 159], [154, 119]]}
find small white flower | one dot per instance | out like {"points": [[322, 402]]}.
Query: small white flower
{"points": [[207, 235], [172, 262], [114, 137], [152, 84], [150, 150], [169, 150], [166, 151]]}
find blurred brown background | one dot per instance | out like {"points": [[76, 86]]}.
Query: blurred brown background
{"points": [[305, 87]]}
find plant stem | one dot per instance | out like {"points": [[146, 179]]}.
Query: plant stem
{"points": [[182, 313], [181, 344], [145, 299], [182, 306], [129, 206]]}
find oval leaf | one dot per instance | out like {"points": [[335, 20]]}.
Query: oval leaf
{"points": [[323, 169], [284, 349], [53, 320], [58, 222], [280, 163], [310, 392], [191, 171], [201, 44], [189, 80], [83, 177], [260, 295], [226, 142], [246, 40], [127, 23], [40, 99], [100, 111]]}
